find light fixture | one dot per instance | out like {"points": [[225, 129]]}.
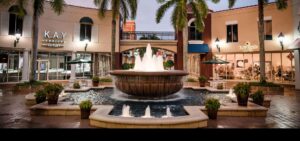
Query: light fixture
{"points": [[218, 44], [18, 36], [86, 42], [281, 39]]}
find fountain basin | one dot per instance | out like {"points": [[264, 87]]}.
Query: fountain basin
{"points": [[149, 84]]}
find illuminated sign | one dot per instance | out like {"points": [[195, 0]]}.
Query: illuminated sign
{"points": [[54, 40]]}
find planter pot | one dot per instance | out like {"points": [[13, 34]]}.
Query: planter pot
{"points": [[212, 114], [95, 84], [106, 83], [242, 101], [261, 102], [52, 98], [85, 113], [202, 84]]}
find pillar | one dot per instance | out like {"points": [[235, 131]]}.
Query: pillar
{"points": [[25, 70], [73, 68], [297, 69]]}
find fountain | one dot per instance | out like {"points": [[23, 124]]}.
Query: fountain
{"points": [[147, 113], [126, 111], [148, 78]]}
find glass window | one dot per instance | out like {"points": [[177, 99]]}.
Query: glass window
{"points": [[268, 30], [232, 33], [86, 24], [15, 21], [194, 34]]}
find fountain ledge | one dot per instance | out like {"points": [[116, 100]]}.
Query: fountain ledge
{"points": [[194, 119]]}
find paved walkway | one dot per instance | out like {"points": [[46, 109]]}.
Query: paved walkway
{"points": [[284, 113]]}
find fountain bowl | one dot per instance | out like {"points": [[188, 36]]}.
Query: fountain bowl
{"points": [[149, 84]]}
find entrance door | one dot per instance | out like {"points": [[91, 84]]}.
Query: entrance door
{"points": [[43, 69]]}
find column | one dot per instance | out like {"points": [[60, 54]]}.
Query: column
{"points": [[73, 68], [25, 70], [297, 69]]}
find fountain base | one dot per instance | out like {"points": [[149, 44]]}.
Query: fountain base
{"points": [[149, 84]]}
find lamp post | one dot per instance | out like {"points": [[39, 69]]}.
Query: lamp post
{"points": [[218, 44], [18, 36], [86, 42], [281, 39]]}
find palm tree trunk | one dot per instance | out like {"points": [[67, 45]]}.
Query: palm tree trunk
{"points": [[185, 48], [180, 50], [261, 29], [113, 44], [35, 34]]}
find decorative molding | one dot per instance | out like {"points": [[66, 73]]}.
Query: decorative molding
{"points": [[231, 22]]}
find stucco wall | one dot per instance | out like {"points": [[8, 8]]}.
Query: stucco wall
{"points": [[67, 22], [247, 19]]}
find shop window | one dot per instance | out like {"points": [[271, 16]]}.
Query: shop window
{"points": [[86, 24], [268, 30], [232, 33], [194, 34], [15, 20]]}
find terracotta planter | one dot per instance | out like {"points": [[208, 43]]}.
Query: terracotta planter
{"points": [[95, 84], [212, 114], [85, 113], [202, 84], [242, 101]]}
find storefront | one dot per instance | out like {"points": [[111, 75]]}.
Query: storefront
{"points": [[11, 64], [280, 66]]}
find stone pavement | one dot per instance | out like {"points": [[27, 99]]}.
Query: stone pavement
{"points": [[284, 113]]}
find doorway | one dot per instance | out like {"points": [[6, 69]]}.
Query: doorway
{"points": [[43, 70]]}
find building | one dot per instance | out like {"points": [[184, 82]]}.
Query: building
{"points": [[237, 33], [61, 39]]}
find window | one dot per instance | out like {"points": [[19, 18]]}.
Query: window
{"points": [[232, 33], [86, 24], [15, 20], [268, 30], [194, 34]]}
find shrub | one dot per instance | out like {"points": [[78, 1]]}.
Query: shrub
{"points": [[202, 79], [258, 97], [40, 96], [127, 66], [96, 79], [106, 79], [242, 89], [54, 88], [212, 104], [191, 80], [86, 105], [264, 84], [220, 87], [169, 64], [76, 85]]}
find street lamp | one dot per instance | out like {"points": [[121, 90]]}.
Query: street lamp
{"points": [[86, 42], [18, 36], [218, 44], [281, 39]]}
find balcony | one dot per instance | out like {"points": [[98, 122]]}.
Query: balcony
{"points": [[148, 35]]}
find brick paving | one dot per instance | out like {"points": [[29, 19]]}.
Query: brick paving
{"points": [[283, 113]]}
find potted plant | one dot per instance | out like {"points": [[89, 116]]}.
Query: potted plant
{"points": [[258, 97], [212, 105], [96, 81], [106, 81], [40, 96], [53, 91], [76, 85], [85, 109], [242, 91], [220, 87], [202, 81]]}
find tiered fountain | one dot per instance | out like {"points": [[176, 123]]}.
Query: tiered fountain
{"points": [[149, 78]]}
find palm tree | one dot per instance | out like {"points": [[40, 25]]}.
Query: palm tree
{"points": [[38, 10], [179, 20], [122, 8], [281, 5]]}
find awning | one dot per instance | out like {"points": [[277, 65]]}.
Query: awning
{"points": [[198, 48]]}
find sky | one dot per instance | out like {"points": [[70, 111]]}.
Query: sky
{"points": [[145, 20]]}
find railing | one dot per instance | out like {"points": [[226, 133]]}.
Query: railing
{"points": [[148, 35]]}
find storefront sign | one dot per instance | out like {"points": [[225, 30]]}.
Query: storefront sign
{"points": [[247, 47], [54, 39]]}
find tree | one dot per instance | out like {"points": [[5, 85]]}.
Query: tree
{"points": [[124, 8], [38, 10], [281, 5], [179, 20]]}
